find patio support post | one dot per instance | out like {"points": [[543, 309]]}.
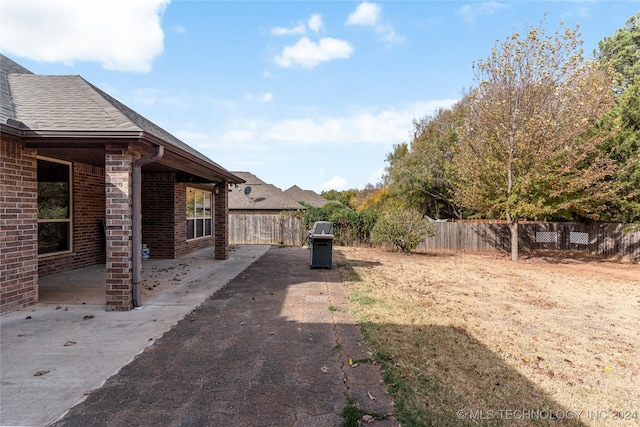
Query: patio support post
{"points": [[136, 242], [221, 221], [118, 161]]}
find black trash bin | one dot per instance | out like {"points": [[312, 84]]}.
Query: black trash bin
{"points": [[321, 244]]}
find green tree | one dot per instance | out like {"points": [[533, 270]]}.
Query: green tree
{"points": [[346, 197], [528, 147], [621, 54], [419, 174], [403, 229], [377, 200]]}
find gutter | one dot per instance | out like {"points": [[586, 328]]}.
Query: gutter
{"points": [[136, 219]]}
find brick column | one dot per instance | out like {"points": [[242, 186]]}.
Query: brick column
{"points": [[18, 226], [118, 161], [221, 220]]}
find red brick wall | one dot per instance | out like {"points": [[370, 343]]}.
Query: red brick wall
{"points": [[88, 220], [18, 226], [158, 214], [88, 223]]}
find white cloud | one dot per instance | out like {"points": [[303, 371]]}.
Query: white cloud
{"points": [[240, 135], [335, 183], [239, 131], [315, 22], [388, 34], [254, 142], [360, 126], [306, 130], [282, 31], [328, 134], [369, 15], [366, 14], [309, 54], [70, 30], [470, 12]]}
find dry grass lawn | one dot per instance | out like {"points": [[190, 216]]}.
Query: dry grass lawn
{"points": [[478, 340]]}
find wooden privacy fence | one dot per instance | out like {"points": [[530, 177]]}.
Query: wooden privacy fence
{"points": [[265, 229], [605, 240]]}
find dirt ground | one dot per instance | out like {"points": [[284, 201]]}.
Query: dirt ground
{"points": [[564, 329]]}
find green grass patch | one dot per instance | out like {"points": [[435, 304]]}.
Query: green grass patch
{"points": [[361, 298], [353, 415], [334, 309]]}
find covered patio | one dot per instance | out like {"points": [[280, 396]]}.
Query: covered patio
{"points": [[88, 181], [163, 281]]}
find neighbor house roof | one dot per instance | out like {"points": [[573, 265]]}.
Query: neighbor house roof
{"points": [[306, 196], [261, 196], [44, 108]]}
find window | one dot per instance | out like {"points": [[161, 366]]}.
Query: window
{"points": [[198, 213], [54, 206]]}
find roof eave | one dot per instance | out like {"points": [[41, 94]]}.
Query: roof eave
{"points": [[10, 129], [231, 178], [32, 136]]}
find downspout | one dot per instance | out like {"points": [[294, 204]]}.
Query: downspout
{"points": [[136, 220]]}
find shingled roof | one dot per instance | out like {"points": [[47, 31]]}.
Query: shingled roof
{"points": [[47, 107], [7, 67], [306, 196], [262, 196]]}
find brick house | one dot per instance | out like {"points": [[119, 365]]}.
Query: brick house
{"points": [[86, 180]]}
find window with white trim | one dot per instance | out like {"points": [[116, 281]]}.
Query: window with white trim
{"points": [[54, 206], [198, 210]]}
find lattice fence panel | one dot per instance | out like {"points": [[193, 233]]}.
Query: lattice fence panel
{"points": [[578, 238], [546, 237]]}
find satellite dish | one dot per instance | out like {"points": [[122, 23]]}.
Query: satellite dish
{"points": [[259, 199], [247, 190]]}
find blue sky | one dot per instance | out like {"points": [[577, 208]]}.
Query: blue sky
{"points": [[311, 93]]}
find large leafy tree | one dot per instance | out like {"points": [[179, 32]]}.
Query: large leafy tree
{"points": [[528, 148], [621, 55], [419, 173], [346, 197]]}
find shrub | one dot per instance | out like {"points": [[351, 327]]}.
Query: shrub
{"points": [[349, 226], [313, 214], [402, 229]]}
